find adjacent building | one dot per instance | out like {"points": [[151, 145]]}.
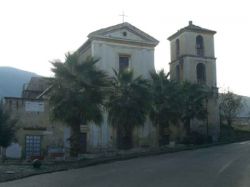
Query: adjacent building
{"points": [[37, 135]]}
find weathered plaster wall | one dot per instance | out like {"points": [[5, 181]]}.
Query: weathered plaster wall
{"points": [[35, 123]]}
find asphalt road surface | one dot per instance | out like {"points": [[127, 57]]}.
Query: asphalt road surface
{"points": [[222, 166]]}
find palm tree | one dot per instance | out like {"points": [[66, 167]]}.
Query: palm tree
{"points": [[166, 103], [194, 97], [78, 94], [128, 105]]}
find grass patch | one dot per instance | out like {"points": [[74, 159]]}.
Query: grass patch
{"points": [[242, 127]]}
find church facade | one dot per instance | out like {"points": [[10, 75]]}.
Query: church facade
{"points": [[118, 47], [121, 46]]}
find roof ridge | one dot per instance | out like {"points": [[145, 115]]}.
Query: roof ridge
{"points": [[124, 24], [191, 27]]}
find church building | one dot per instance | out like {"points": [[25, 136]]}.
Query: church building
{"points": [[118, 47]]}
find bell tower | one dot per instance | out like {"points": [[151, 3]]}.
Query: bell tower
{"points": [[193, 60]]}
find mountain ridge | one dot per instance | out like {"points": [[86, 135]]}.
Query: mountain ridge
{"points": [[12, 81]]}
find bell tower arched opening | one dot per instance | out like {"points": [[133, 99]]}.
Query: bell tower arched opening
{"points": [[199, 46], [201, 73]]}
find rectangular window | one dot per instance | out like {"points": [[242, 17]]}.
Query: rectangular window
{"points": [[33, 146], [123, 62]]}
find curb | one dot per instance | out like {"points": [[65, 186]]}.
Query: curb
{"points": [[93, 162]]}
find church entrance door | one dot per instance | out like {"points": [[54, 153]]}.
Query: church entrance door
{"points": [[83, 142], [124, 138]]}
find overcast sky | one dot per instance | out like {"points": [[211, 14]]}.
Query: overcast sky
{"points": [[35, 32]]}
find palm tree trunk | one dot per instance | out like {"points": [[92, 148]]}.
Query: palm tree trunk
{"points": [[128, 138], [187, 126], [124, 139], [75, 140], [158, 134], [229, 122]]}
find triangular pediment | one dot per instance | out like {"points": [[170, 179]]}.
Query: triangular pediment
{"points": [[124, 32]]}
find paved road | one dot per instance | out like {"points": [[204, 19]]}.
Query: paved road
{"points": [[221, 166]]}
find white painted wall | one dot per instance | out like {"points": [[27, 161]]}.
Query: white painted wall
{"points": [[14, 151], [141, 58]]}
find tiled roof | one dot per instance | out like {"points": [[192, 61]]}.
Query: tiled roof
{"points": [[37, 84]]}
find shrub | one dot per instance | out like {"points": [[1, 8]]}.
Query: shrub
{"points": [[36, 163]]}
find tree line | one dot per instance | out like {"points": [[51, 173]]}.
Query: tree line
{"points": [[81, 93]]}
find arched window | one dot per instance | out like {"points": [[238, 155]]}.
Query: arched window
{"points": [[177, 71], [201, 73], [199, 46], [177, 46]]}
